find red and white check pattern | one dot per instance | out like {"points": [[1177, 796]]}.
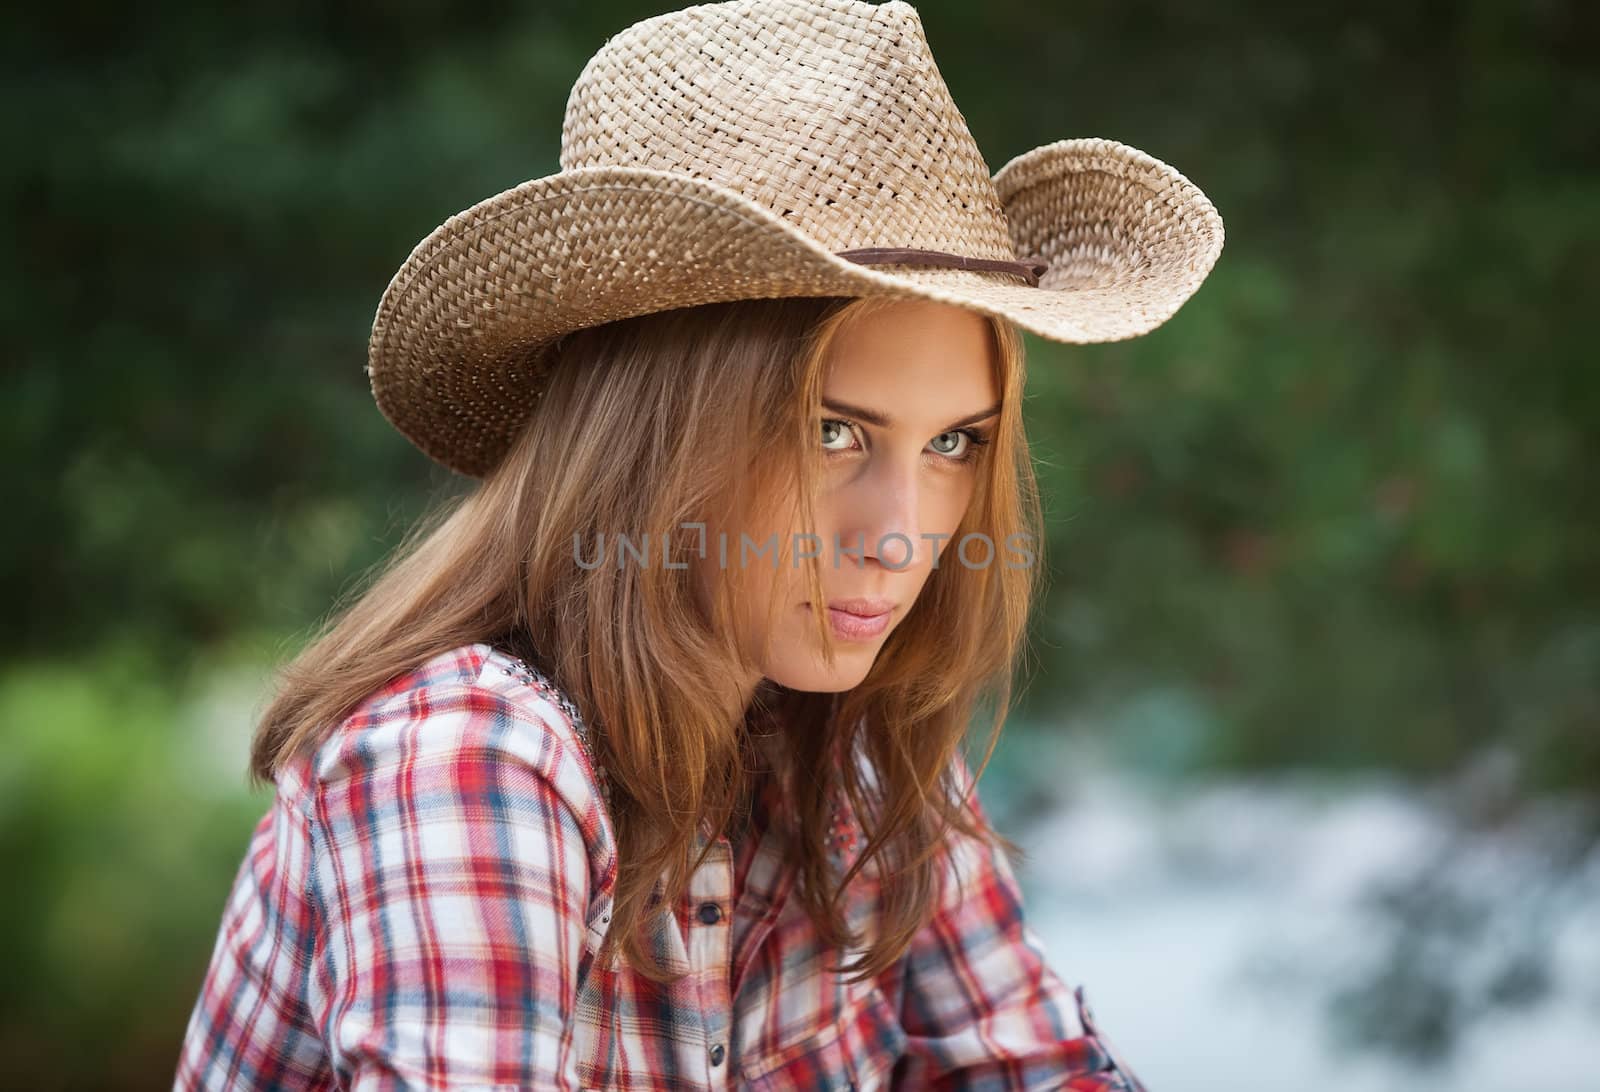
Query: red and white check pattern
{"points": [[420, 909]]}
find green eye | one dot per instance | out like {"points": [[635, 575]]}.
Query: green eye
{"points": [[836, 435], [965, 444]]}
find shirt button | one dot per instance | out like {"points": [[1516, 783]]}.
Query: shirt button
{"points": [[710, 913], [717, 1053]]}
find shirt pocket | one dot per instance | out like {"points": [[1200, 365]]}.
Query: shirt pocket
{"points": [[855, 1053], [595, 931]]}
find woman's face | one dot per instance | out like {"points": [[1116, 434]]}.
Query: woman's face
{"points": [[909, 396]]}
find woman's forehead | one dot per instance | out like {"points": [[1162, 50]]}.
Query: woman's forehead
{"points": [[919, 362]]}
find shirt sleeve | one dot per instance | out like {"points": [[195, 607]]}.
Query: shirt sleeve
{"points": [[450, 883], [983, 1008]]}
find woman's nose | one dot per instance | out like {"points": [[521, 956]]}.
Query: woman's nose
{"points": [[888, 528]]}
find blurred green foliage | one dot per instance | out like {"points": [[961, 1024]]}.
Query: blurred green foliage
{"points": [[122, 820], [1338, 512]]}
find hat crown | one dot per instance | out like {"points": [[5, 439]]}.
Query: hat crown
{"points": [[830, 113]]}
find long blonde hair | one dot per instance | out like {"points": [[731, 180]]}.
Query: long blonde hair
{"points": [[647, 424]]}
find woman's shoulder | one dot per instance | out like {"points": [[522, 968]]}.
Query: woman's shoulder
{"points": [[458, 715]]}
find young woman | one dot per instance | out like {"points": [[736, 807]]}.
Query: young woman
{"points": [[641, 765]]}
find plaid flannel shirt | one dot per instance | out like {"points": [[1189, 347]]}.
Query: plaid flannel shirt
{"points": [[420, 909]]}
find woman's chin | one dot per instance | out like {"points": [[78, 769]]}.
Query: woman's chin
{"points": [[819, 678]]}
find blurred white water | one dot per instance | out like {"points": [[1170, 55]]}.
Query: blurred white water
{"points": [[1208, 924]]}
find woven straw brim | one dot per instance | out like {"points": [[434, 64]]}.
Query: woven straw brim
{"points": [[1128, 239]]}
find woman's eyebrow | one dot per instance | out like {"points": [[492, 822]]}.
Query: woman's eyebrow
{"points": [[883, 420]]}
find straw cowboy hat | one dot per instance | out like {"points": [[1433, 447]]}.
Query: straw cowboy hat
{"points": [[765, 148]]}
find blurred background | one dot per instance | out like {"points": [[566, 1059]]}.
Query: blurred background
{"points": [[1308, 764]]}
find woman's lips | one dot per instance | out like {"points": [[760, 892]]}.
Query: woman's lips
{"points": [[857, 627], [852, 626]]}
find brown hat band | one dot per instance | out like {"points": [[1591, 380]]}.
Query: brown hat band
{"points": [[905, 255]]}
